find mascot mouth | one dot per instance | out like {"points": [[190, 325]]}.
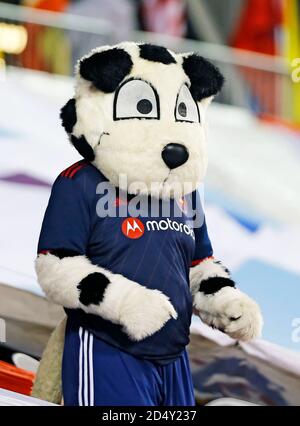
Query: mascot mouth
{"points": [[166, 179], [102, 134]]}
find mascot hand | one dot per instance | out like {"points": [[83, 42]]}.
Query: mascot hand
{"points": [[230, 311], [221, 305], [140, 311]]}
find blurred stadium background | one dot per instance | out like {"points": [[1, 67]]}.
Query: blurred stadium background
{"points": [[251, 191]]}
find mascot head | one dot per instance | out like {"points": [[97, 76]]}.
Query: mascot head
{"points": [[139, 112]]}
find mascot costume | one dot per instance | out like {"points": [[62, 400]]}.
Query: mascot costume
{"points": [[130, 282]]}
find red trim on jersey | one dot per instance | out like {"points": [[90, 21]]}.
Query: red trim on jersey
{"points": [[72, 170], [44, 252], [68, 174], [197, 262], [66, 171]]}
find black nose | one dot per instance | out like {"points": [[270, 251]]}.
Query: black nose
{"points": [[174, 155]]}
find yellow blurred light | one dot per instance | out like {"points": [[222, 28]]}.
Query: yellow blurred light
{"points": [[13, 38]]}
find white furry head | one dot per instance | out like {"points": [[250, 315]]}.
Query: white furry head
{"points": [[139, 111]]}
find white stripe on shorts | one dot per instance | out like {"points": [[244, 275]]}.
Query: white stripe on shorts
{"points": [[80, 369], [91, 368], [86, 368]]}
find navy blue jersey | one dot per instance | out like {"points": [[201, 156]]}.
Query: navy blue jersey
{"points": [[156, 252]]}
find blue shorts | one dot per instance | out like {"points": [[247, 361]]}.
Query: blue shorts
{"points": [[96, 373]]}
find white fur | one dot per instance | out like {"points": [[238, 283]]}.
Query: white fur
{"points": [[231, 311], [208, 268], [133, 147], [59, 278], [228, 309], [139, 310]]}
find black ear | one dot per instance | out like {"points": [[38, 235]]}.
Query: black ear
{"points": [[68, 115], [154, 53], [106, 69], [206, 79]]}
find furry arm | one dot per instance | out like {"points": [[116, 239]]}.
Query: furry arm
{"points": [[220, 304], [71, 280]]}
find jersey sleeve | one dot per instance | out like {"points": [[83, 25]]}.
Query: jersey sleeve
{"points": [[203, 247], [66, 223]]}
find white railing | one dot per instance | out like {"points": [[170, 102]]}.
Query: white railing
{"points": [[100, 27], [230, 402], [256, 81]]}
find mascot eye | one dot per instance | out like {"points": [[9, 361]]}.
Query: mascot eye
{"points": [[144, 106], [186, 107], [136, 99]]}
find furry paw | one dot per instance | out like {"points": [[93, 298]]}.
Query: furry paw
{"points": [[230, 311], [145, 313]]}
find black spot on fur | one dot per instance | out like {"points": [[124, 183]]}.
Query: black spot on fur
{"points": [[68, 115], [92, 288], [223, 267], [235, 318], [83, 147], [214, 284], [62, 253], [106, 69], [155, 53], [206, 79]]}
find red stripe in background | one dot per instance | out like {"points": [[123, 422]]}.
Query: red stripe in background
{"points": [[197, 262]]}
